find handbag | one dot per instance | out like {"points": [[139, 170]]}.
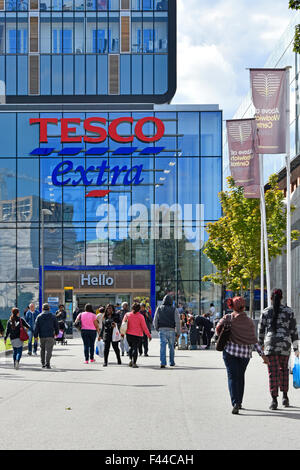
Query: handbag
{"points": [[100, 348], [23, 333], [296, 373], [224, 335], [77, 323]]}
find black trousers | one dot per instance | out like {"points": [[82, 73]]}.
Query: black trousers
{"points": [[134, 344], [143, 344], [115, 345], [89, 338]]}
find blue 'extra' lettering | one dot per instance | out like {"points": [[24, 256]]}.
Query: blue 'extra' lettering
{"points": [[130, 175]]}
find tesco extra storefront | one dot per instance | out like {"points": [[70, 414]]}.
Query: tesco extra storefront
{"points": [[107, 206]]}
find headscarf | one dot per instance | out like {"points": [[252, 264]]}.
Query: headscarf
{"points": [[242, 327]]}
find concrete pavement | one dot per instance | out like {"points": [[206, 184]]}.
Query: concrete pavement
{"points": [[79, 406]]}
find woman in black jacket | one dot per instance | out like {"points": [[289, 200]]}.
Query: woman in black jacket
{"points": [[110, 320], [13, 331]]}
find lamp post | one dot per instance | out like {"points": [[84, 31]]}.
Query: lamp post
{"points": [[43, 213]]}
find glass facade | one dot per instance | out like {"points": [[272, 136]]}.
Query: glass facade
{"points": [[154, 203], [88, 50]]}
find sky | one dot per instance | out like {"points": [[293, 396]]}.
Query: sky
{"points": [[217, 40]]}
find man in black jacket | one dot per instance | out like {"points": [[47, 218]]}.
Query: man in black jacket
{"points": [[46, 327], [203, 322], [167, 322]]}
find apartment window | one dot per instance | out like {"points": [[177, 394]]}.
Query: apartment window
{"points": [[17, 41], [34, 4]]}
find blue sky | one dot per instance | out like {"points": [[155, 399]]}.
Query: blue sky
{"points": [[218, 40]]}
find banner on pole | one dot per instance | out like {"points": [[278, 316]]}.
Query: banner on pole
{"points": [[243, 155], [269, 95]]}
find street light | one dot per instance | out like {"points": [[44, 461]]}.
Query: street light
{"points": [[43, 213]]}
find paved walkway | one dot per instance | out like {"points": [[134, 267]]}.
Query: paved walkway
{"points": [[78, 406]]}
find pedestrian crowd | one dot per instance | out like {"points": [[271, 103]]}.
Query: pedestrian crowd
{"points": [[128, 331]]}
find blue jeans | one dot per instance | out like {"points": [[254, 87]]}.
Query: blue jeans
{"points": [[35, 344], [236, 368], [185, 338], [17, 353], [167, 337]]}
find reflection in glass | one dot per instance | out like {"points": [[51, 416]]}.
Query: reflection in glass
{"points": [[7, 299], [28, 254], [8, 251], [27, 293], [74, 246]]}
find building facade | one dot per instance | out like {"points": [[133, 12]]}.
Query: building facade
{"points": [[106, 200]]}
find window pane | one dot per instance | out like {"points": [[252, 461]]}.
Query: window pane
{"points": [[211, 185], [8, 245], [8, 127], [211, 130], [28, 254]]}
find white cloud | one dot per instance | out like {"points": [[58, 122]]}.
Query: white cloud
{"points": [[218, 40]]}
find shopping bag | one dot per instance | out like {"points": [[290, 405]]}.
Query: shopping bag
{"points": [[296, 373], [116, 336], [100, 348], [123, 328]]}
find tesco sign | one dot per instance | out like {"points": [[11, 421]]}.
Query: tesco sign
{"points": [[97, 125]]}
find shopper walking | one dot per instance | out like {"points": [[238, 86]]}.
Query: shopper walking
{"points": [[136, 328], [277, 332], [123, 343], [13, 330], [46, 327], [148, 319], [167, 322], [89, 329], [238, 350], [30, 317], [111, 320]]}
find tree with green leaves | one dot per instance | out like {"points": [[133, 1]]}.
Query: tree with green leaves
{"points": [[295, 5], [234, 240]]}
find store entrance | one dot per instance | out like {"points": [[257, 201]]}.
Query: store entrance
{"points": [[101, 300]]}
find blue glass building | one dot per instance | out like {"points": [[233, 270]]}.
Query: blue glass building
{"points": [[118, 210]]}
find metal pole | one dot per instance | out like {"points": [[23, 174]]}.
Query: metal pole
{"points": [[288, 199], [42, 255], [264, 222], [262, 280]]}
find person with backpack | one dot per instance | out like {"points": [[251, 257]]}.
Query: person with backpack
{"points": [[167, 323], [277, 333], [14, 332], [46, 327]]}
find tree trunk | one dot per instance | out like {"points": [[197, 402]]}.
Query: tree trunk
{"points": [[251, 304]]}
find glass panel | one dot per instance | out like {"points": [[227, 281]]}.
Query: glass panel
{"points": [[165, 258], [188, 170], [68, 75], [125, 81], [161, 74], [102, 75], [188, 128], [136, 74], [211, 185], [52, 245], [79, 34], [28, 190], [27, 294], [91, 74], [91, 34], [51, 195], [8, 245], [74, 246], [28, 135], [161, 5], [114, 33], [28, 254], [22, 35], [11, 33], [56, 75], [211, 134], [45, 75], [45, 28], [79, 75], [8, 128], [148, 33], [2, 34], [165, 180], [120, 252], [74, 204], [45, 5], [7, 299], [79, 5], [148, 77], [96, 248], [136, 32]]}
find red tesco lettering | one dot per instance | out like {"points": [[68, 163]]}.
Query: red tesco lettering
{"points": [[97, 126]]}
